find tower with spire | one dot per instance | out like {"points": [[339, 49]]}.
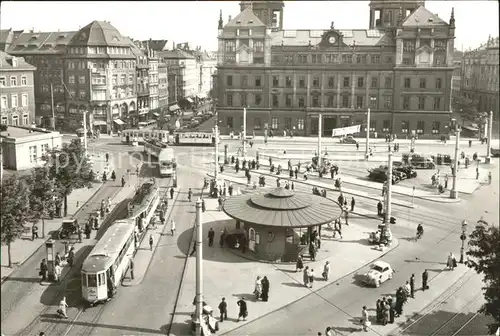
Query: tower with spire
{"points": [[385, 13]]}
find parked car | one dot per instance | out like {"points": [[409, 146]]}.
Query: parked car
{"points": [[379, 272], [419, 161], [349, 139], [69, 229], [380, 175]]}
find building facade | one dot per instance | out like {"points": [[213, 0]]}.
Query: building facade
{"points": [[23, 146], [401, 68], [17, 97], [456, 84], [480, 76], [163, 92], [153, 79], [143, 102]]}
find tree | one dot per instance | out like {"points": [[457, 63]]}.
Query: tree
{"points": [[15, 210], [70, 168], [484, 248], [43, 194]]}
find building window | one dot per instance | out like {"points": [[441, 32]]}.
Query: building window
{"points": [[275, 100], [346, 82], [375, 59], [257, 81], [71, 79], [229, 80], [276, 81], [82, 94], [331, 82], [300, 124], [115, 80], [439, 83], [302, 59], [131, 79], [258, 47], [258, 99], [2, 81], [13, 81], [421, 103], [329, 101], [373, 125], [331, 58], [345, 101], [229, 99], [406, 103], [289, 59], [386, 125], [24, 100], [316, 82], [288, 123], [288, 100], [257, 123], [361, 59], [420, 127], [408, 61], [359, 101], [4, 120], [437, 103], [405, 126], [388, 82], [388, 102], [15, 120], [81, 79], [13, 101], [374, 83], [315, 101], [315, 59], [288, 81], [407, 83], [347, 59], [436, 127], [361, 82], [243, 99], [301, 101], [24, 80], [25, 119], [230, 46], [373, 102], [423, 83], [302, 81], [274, 123], [229, 122], [33, 154], [244, 81], [3, 102]]}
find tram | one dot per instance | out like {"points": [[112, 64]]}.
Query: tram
{"points": [[194, 139], [164, 154], [104, 268], [139, 135]]}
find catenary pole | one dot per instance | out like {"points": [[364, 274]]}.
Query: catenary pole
{"points": [[367, 147], [454, 191], [199, 268]]}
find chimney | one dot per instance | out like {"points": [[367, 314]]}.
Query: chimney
{"points": [[229, 19], [173, 45]]}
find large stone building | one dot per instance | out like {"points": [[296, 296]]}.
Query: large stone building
{"points": [[480, 76], [17, 98], [400, 68], [93, 69]]}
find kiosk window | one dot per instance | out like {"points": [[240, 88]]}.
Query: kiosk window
{"points": [[84, 279], [92, 280]]}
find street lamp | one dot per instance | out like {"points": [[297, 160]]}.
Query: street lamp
{"points": [[463, 237], [454, 191]]}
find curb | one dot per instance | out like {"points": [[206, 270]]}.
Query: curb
{"points": [[139, 280], [332, 282], [42, 245]]}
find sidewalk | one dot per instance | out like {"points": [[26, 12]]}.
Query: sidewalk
{"points": [[143, 254], [230, 274], [23, 248]]}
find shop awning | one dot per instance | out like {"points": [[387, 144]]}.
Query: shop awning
{"points": [[118, 121], [99, 123], [174, 107], [189, 100], [156, 114], [141, 112]]}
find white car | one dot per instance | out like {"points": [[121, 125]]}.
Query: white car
{"points": [[379, 272]]}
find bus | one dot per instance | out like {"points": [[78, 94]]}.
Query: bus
{"points": [[138, 135], [105, 267], [147, 124], [194, 139], [164, 154]]}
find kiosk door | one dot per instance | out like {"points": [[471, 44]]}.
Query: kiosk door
{"points": [[251, 240]]}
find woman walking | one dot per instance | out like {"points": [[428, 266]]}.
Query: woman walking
{"points": [[326, 271], [306, 276]]}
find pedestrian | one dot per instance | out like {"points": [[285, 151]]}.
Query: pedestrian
{"points": [[446, 181], [391, 310], [190, 194], [425, 278], [489, 177], [223, 310], [131, 266], [311, 278], [243, 309], [379, 208], [151, 242], [34, 232], [412, 286], [43, 270], [57, 260], [123, 181], [265, 289], [312, 251], [407, 288], [107, 157], [79, 233], [57, 272], [378, 311], [221, 239], [71, 256], [113, 176], [305, 276], [365, 321], [299, 265], [357, 146], [88, 230], [171, 192], [337, 227], [340, 199], [385, 312], [477, 173], [203, 206], [326, 271], [353, 203], [211, 236], [470, 143], [346, 216]]}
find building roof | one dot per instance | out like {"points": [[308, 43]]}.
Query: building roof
{"points": [[282, 208], [17, 132], [246, 18], [99, 33], [157, 45], [360, 37], [175, 54], [6, 63], [135, 50], [423, 17], [6, 36], [40, 43]]}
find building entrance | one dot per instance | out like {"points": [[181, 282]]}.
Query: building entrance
{"points": [[330, 123]]}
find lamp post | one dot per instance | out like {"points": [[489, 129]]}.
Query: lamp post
{"points": [[199, 269], [463, 237], [216, 134], [320, 128], [367, 147], [453, 191], [244, 132], [488, 139], [413, 196], [388, 207]]}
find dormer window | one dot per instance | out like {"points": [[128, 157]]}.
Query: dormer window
{"points": [[14, 62], [115, 38], [238, 21], [251, 21], [34, 37]]}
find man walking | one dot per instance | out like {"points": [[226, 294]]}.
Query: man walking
{"points": [[223, 310], [425, 277], [379, 208], [353, 203], [190, 194], [412, 286], [172, 227], [243, 309], [211, 235], [151, 242], [171, 192]]}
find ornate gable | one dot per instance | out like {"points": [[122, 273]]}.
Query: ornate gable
{"points": [[332, 38]]}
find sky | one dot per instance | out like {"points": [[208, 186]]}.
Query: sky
{"points": [[196, 21]]}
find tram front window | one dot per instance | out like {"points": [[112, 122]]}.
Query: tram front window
{"points": [[84, 280], [92, 280]]}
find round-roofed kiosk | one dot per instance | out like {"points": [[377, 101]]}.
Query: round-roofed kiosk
{"points": [[277, 225]]}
